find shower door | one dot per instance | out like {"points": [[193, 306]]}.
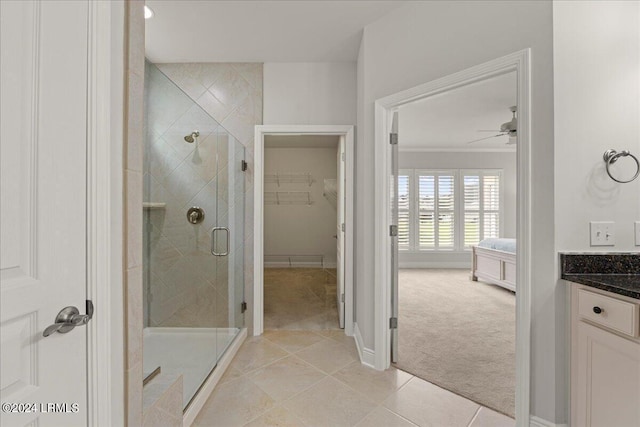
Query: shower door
{"points": [[193, 235]]}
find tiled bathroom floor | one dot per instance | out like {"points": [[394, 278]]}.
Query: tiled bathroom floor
{"points": [[314, 378], [300, 298]]}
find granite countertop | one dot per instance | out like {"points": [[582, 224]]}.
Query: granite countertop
{"points": [[627, 285], [616, 273]]}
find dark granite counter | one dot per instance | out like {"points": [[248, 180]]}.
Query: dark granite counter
{"points": [[616, 273]]}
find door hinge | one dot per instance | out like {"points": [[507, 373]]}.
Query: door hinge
{"points": [[243, 307], [393, 230], [393, 323], [341, 297], [393, 138], [243, 165], [342, 227]]}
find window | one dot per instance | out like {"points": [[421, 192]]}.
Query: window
{"points": [[482, 201], [448, 210], [405, 178], [436, 210]]}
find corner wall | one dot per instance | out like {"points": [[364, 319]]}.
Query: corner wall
{"points": [[423, 41]]}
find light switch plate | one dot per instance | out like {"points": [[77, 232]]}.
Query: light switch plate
{"points": [[637, 233], [603, 233]]}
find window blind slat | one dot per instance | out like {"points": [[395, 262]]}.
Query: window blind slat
{"points": [[491, 192], [471, 228], [404, 203], [426, 230]]}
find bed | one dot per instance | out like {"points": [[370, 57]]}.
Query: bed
{"points": [[494, 261]]}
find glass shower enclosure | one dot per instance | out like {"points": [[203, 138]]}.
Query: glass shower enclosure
{"points": [[193, 235]]}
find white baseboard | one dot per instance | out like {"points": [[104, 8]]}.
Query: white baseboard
{"points": [[367, 356], [434, 264], [210, 383], [299, 265], [540, 422]]}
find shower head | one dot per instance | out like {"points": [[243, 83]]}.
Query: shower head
{"points": [[192, 137]]}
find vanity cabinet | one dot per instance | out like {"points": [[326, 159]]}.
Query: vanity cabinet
{"points": [[605, 359]]}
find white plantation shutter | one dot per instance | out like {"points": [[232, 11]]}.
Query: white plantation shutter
{"points": [[471, 190], [436, 209], [426, 211], [448, 210], [491, 195], [404, 209], [481, 205]]}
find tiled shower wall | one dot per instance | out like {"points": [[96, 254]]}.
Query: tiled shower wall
{"points": [[232, 94], [184, 285]]}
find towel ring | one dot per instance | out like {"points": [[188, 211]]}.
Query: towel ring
{"points": [[611, 156]]}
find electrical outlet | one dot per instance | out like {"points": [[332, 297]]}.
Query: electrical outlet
{"points": [[637, 233], [603, 233]]}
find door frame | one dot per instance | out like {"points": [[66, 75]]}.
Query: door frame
{"points": [[258, 217], [520, 63], [105, 213]]}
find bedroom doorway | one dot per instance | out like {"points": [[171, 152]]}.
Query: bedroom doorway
{"points": [[456, 192], [443, 209]]}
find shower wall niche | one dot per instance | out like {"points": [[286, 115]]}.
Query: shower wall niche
{"points": [[193, 270]]}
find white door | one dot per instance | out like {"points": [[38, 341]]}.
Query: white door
{"points": [[340, 229], [43, 116], [393, 322]]}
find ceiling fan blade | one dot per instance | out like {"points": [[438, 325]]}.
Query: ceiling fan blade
{"points": [[485, 130], [482, 139]]}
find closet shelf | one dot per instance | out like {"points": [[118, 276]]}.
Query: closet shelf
{"points": [[153, 205], [288, 178], [287, 198]]}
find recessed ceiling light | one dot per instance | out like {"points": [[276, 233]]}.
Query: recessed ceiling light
{"points": [[148, 13]]}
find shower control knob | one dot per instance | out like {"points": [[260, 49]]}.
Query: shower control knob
{"points": [[195, 215]]}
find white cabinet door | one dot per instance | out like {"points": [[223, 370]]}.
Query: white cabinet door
{"points": [[608, 379], [43, 60]]}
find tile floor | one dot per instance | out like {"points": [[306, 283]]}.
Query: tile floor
{"points": [[300, 298], [314, 378]]}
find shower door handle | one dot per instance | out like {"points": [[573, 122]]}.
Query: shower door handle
{"points": [[213, 241]]}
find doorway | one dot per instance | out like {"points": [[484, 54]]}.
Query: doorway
{"points": [[386, 207], [282, 187], [456, 195], [302, 209]]}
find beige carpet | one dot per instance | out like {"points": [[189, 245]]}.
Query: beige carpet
{"points": [[458, 334]]}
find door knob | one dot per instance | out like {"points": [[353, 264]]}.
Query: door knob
{"points": [[68, 318]]}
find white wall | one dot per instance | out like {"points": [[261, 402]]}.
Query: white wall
{"points": [[597, 107], [471, 160], [301, 229], [310, 93], [423, 41]]}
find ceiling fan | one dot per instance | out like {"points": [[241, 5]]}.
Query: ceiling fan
{"points": [[509, 128]]}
